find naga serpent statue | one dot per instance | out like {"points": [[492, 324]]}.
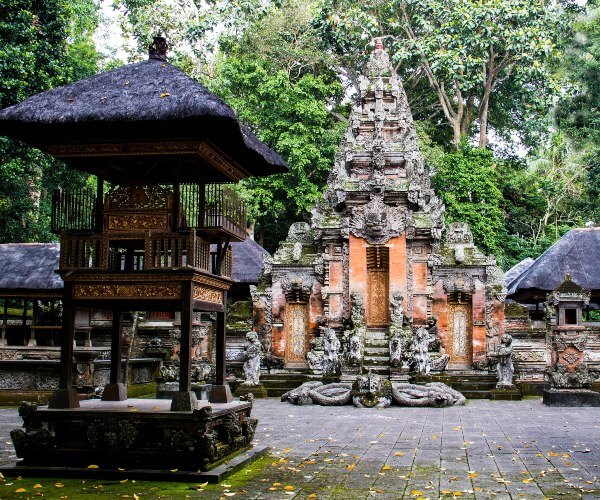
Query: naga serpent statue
{"points": [[373, 391]]}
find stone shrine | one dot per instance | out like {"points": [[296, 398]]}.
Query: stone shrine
{"points": [[376, 268]]}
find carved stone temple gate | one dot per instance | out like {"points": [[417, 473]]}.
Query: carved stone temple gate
{"points": [[371, 262]]}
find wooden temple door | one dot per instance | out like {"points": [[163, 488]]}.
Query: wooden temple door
{"points": [[460, 330], [296, 333], [378, 285]]}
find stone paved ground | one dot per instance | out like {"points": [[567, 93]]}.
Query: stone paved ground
{"points": [[485, 449]]}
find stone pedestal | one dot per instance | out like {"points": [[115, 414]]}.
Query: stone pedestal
{"points": [[220, 394], [505, 393], [114, 392], [571, 397], [184, 401], [258, 391], [64, 398]]}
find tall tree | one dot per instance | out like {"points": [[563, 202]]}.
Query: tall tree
{"points": [[465, 49], [43, 44]]}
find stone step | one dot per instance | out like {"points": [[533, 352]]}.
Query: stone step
{"points": [[376, 360], [376, 334], [379, 370], [377, 350], [377, 342]]}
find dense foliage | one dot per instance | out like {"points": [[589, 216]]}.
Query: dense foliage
{"points": [[487, 73], [43, 44]]}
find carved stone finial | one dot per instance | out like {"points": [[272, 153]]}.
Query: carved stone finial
{"points": [[158, 48]]}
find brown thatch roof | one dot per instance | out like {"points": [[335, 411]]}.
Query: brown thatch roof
{"points": [[146, 101], [576, 254], [29, 266]]}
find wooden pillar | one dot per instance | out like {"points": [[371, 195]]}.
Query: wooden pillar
{"points": [[221, 393], [100, 205], [176, 203], [32, 340], [185, 348], [185, 399], [115, 389], [3, 340], [66, 396]]}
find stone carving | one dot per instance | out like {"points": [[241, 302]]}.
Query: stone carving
{"points": [[504, 365], [371, 391], [439, 362], [314, 357], [396, 329], [561, 378], [432, 394], [316, 393], [111, 435], [376, 221], [252, 350], [420, 348], [357, 334], [330, 365]]}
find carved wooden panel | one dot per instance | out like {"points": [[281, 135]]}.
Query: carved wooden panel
{"points": [[296, 334], [460, 333], [207, 294], [126, 291], [377, 298]]}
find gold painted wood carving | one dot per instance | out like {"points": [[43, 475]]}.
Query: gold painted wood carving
{"points": [[136, 221], [112, 291], [296, 337], [460, 333], [207, 295], [377, 299]]}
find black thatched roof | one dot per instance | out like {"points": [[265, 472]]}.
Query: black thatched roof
{"points": [[247, 260], [29, 266], [517, 270], [146, 101], [576, 254]]}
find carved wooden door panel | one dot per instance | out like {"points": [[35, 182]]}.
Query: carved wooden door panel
{"points": [[378, 285], [460, 333], [296, 335]]}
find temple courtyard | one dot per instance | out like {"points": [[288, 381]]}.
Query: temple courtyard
{"points": [[486, 449]]}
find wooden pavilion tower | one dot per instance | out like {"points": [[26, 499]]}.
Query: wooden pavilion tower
{"points": [[164, 150]]}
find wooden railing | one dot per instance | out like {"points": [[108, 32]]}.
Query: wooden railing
{"points": [[73, 210], [226, 265], [82, 253], [171, 251], [214, 208]]}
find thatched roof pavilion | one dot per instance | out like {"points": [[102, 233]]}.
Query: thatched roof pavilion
{"points": [[130, 116], [576, 254]]}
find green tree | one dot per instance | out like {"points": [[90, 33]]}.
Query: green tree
{"points": [[43, 44], [467, 50], [466, 181], [578, 114]]}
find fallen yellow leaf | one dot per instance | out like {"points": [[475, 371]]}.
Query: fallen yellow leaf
{"points": [[20, 490], [289, 488], [203, 485], [287, 450], [229, 494], [164, 94], [92, 466], [38, 485], [416, 493], [276, 484], [123, 481], [527, 481], [59, 485], [174, 470], [312, 495], [399, 454], [446, 492], [457, 493], [386, 467], [310, 462]]}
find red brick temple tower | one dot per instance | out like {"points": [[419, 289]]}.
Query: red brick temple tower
{"points": [[373, 266]]}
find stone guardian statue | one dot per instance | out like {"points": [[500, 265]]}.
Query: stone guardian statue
{"points": [[505, 366], [252, 349]]}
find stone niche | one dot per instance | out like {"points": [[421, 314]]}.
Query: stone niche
{"points": [[373, 265]]}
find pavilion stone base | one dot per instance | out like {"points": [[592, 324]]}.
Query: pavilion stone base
{"points": [[258, 391], [571, 397], [506, 393], [136, 433]]}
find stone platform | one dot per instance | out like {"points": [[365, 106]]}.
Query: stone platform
{"points": [[135, 433], [571, 397]]}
